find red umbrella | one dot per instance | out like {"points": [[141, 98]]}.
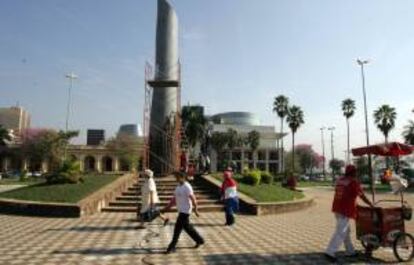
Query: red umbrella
{"points": [[389, 149]]}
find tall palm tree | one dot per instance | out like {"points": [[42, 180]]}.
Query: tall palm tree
{"points": [[194, 123], [384, 118], [294, 120], [348, 109], [4, 136], [280, 106], [408, 133]]}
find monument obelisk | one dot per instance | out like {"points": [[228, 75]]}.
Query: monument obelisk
{"points": [[165, 86]]}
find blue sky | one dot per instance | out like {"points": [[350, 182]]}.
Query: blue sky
{"points": [[236, 55]]}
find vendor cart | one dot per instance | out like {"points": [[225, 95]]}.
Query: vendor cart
{"points": [[384, 224]]}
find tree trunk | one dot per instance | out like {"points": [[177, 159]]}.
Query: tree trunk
{"points": [[387, 162], [348, 158], [293, 152], [282, 160]]}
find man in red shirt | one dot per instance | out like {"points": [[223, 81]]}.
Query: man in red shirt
{"points": [[347, 190]]}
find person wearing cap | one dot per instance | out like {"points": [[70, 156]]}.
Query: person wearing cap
{"points": [[185, 201], [150, 199], [347, 190], [229, 196]]}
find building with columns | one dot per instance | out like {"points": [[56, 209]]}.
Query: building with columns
{"points": [[98, 159], [266, 157]]}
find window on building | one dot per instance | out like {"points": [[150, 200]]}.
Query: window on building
{"points": [[261, 155]]}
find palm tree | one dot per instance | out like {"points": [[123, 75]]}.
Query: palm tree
{"points": [[4, 136], [294, 120], [280, 106], [408, 133], [348, 109], [193, 122], [384, 118]]}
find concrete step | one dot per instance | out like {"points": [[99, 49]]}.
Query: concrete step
{"points": [[121, 203], [165, 197], [203, 209]]}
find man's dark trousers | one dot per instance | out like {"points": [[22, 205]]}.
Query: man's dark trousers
{"points": [[183, 222]]}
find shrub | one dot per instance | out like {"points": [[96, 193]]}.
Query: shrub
{"points": [[23, 175], [266, 177], [279, 177], [251, 177], [68, 172]]}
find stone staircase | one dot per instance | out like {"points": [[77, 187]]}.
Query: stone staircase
{"points": [[128, 201]]}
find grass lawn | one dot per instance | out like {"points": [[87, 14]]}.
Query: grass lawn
{"points": [[16, 181], [69, 193], [303, 184], [265, 192]]}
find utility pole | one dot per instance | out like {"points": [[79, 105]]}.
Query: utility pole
{"points": [[71, 77], [323, 150], [361, 63], [332, 148]]}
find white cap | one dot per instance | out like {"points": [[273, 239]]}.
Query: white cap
{"points": [[149, 173]]}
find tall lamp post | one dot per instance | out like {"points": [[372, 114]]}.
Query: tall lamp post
{"points": [[361, 63], [331, 129], [71, 77], [323, 150]]}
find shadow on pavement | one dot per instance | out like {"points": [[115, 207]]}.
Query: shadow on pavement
{"points": [[276, 259], [94, 229]]}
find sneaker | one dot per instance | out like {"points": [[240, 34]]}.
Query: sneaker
{"points": [[330, 258]]}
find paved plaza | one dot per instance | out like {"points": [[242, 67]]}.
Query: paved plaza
{"points": [[110, 238]]}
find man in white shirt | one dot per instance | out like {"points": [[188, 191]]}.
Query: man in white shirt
{"points": [[185, 200]]}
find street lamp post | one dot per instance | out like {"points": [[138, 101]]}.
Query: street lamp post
{"points": [[71, 77], [362, 63], [331, 129], [323, 150]]}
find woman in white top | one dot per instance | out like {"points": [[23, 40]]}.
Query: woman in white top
{"points": [[150, 199]]}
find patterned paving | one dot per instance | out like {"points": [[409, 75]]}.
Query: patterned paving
{"points": [[111, 238]]}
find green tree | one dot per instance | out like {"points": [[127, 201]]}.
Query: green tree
{"points": [[193, 122], [280, 107], [46, 144], [336, 165], [218, 141], [384, 118], [295, 120], [126, 147], [253, 140], [408, 133], [232, 140], [348, 109]]}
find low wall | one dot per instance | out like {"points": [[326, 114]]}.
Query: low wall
{"points": [[92, 204], [251, 206]]}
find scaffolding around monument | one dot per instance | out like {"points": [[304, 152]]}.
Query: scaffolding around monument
{"points": [[171, 134]]}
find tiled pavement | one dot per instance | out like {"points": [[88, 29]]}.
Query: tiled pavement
{"points": [[111, 238]]}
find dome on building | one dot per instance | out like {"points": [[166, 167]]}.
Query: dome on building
{"points": [[236, 118]]}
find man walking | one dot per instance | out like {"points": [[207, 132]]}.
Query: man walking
{"points": [[185, 200], [347, 189]]}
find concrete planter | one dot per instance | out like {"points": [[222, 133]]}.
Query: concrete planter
{"points": [[251, 206], [87, 206]]}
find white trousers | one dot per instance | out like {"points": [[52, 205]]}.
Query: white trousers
{"points": [[341, 235]]}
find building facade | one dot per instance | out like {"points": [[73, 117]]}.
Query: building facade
{"points": [[267, 155], [15, 119]]}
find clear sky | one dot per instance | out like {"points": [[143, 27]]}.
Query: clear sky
{"points": [[236, 55]]}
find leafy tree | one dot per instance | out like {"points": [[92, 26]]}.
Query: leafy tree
{"points": [[408, 133], [46, 144], [4, 136], [384, 118], [362, 166], [294, 120], [336, 165], [348, 109], [232, 139], [253, 140], [193, 122], [307, 157], [218, 141], [127, 149], [280, 106]]}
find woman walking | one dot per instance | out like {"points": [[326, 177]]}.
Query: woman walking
{"points": [[230, 197], [149, 208]]}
